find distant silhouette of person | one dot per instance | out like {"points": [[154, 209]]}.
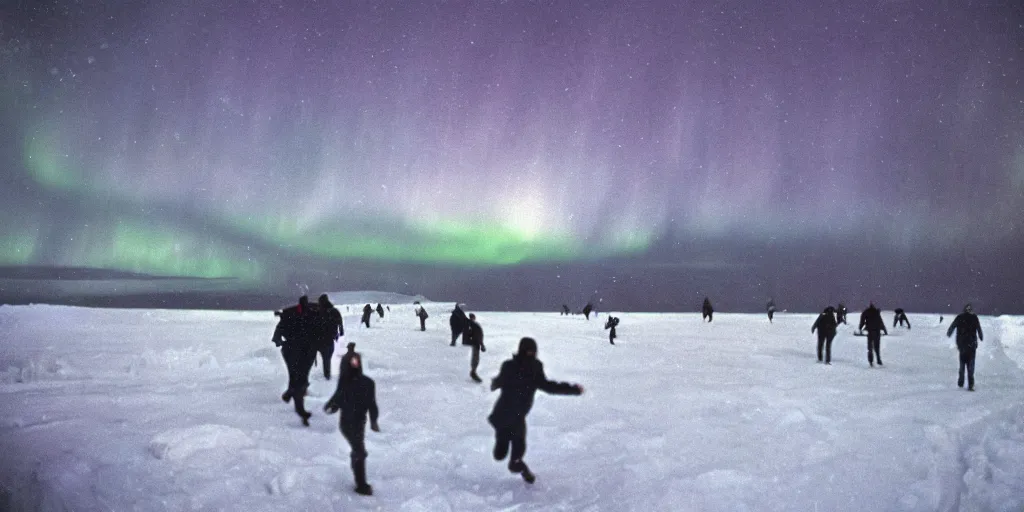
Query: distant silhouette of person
{"points": [[458, 322], [771, 310], [940, 318], [587, 309], [900, 318], [706, 311], [968, 334], [871, 321], [519, 380], [422, 314], [610, 325], [474, 337], [565, 310], [367, 311], [380, 310], [841, 314], [355, 396], [825, 324]]}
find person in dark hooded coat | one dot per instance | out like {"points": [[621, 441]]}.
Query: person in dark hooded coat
{"points": [[968, 334], [706, 311], [355, 396], [871, 321], [474, 338], [296, 335], [380, 310], [367, 311], [587, 309], [518, 380], [826, 327], [458, 322], [331, 329]]}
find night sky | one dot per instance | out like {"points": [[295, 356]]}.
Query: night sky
{"points": [[519, 154]]}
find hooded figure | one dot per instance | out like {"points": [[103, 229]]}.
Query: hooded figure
{"points": [[706, 311], [519, 380], [458, 322], [296, 334], [474, 337], [871, 320], [355, 397], [367, 311], [331, 329], [380, 310], [968, 334], [826, 327]]}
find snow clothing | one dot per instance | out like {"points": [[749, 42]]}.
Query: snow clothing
{"points": [[771, 309], [474, 337], [367, 311], [587, 309], [457, 322], [355, 397], [518, 380], [380, 310], [706, 311], [900, 318], [968, 333], [871, 320], [611, 324], [330, 330], [422, 314], [825, 324], [296, 335]]}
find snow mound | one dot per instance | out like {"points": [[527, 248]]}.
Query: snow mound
{"points": [[181, 443], [31, 370]]}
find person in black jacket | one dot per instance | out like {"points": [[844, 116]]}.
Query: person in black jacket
{"points": [[826, 327], [587, 309], [611, 324], [355, 397], [296, 335], [367, 311], [706, 311], [457, 322], [474, 337], [519, 380], [380, 311], [771, 311], [900, 318], [841, 314], [422, 314], [331, 329], [871, 320], [968, 333], [346, 360], [565, 310]]}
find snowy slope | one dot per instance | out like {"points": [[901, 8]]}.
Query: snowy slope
{"points": [[180, 410]]}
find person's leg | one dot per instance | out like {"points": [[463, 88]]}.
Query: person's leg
{"points": [[970, 368], [502, 439], [474, 360], [518, 439], [828, 348], [963, 366], [821, 344]]}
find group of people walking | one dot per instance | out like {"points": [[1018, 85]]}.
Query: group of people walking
{"points": [[303, 329]]}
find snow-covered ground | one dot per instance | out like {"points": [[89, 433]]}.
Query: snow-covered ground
{"points": [[180, 410]]}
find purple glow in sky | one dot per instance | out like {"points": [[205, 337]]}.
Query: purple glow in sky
{"points": [[245, 139]]}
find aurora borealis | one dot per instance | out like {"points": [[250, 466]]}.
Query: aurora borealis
{"points": [[871, 150]]}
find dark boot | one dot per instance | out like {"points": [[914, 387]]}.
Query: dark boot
{"points": [[287, 395], [300, 408], [359, 472], [475, 377]]}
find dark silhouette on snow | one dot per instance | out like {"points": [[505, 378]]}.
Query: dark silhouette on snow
{"points": [[771, 309], [355, 397], [474, 337], [565, 310], [825, 324], [367, 311], [968, 334], [519, 380], [841, 314], [900, 318], [296, 335], [706, 311], [587, 309], [610, 325], [380, 310], [871, 321], [421, 313], [458, 322], [331, 328]]}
